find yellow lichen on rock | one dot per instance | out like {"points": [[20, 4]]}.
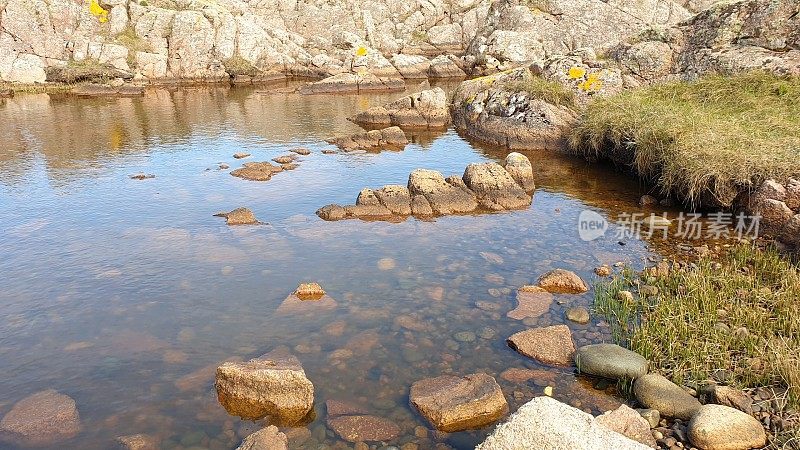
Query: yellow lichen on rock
{"points": [[576, 72], [98, 11]]}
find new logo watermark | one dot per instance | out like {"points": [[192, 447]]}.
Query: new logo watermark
{"points": [[591, 225], [718, 225]]}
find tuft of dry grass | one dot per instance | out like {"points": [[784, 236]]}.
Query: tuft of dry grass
{"points": [[540, 88], [742, 318], [704, 141]]}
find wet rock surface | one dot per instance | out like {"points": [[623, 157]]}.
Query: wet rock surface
{"points": [[44, 418], [423, 110], [272, 385], [551, 345], [484, 187], [391, 138], [454, 403], [545, 423]]}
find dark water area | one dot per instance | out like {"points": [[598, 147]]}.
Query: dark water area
{"points": [[126, 294]]}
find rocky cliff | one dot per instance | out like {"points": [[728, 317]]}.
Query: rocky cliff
{"points": [[46, 40]]}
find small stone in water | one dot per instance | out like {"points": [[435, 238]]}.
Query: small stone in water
{"points": [[464, 336], [309, 290], [487, 333], [386, 264], [241, 155]]}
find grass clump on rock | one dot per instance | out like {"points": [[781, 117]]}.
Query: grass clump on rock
{"points": [[740, 320], [543, 89], [705, 140]]}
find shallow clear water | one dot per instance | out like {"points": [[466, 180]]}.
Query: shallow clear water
{"points": [[125, 294]]}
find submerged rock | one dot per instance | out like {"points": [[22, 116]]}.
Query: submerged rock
{"points": [[532, 301], [545, 423], [454, 403], [257, 171], [239, 216], [269, 438], [656, 392], [610, 361], [424, 110], [272, 385], [392, 138], [560, 281], [578, 314], [549, 345], [44, 418], [356, 428], [138, 442], [718, 427]]}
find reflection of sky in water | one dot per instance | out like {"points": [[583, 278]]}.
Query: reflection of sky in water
{"points": [[118, 291]]}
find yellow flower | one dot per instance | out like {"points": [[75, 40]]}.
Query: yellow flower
{"points": [[98, 11], [576, 72], [361, 51]]}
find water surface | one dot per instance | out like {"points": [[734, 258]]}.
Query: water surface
{"points": [[126, 294]]}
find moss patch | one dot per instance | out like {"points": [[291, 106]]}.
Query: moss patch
{"points": [[704, 141], [539, 88]]}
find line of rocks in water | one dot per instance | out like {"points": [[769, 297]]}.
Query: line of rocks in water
{"points": [[483, 187], [427, 109]]}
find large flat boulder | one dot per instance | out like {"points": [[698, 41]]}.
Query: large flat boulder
{"points": [[494, 188], [391, 138], [547, 424], [272, 385], [454, 403], [44, 418], [257, 171], [551, 345]]}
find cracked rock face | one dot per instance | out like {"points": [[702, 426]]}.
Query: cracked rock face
{"points": [[483, 187]]}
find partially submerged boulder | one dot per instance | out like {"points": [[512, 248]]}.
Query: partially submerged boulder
{"points": [[487, 186], [41, 419], [545, 423], [560, 281], [551, 345], [453, 403], [239, 216], [519, 167], [494, 188], [349, 83], [497, 110], [424, 110], [257, 171], [392, 138], [269, 438], [307, 298], [272, 385], [360, 428]]}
